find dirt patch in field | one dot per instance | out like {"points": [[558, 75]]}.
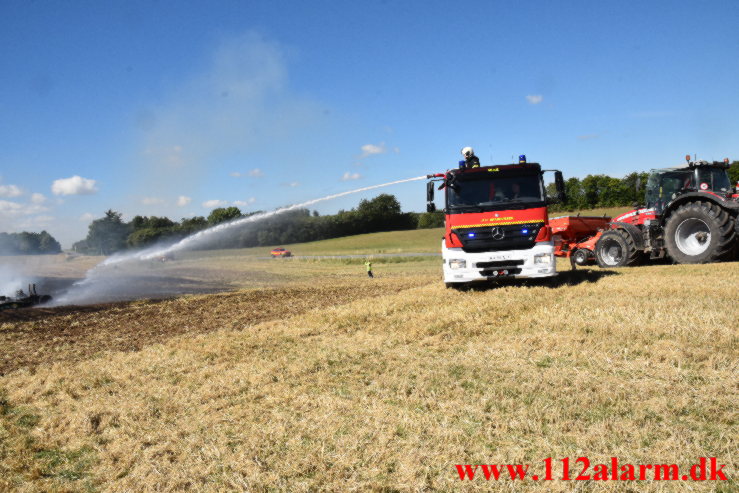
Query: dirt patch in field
{"points": [[40, 336]]}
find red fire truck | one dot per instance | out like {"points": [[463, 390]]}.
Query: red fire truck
{"points": [[496, 222]]}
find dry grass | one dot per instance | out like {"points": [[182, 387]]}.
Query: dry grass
{"points": [[43, 336], [389, 392]]}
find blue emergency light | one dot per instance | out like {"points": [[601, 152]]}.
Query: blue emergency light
{"points": [[524, 231], [522, 159], [470, 235]]}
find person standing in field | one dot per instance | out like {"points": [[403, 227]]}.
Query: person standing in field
{"points": [[368, 264]]}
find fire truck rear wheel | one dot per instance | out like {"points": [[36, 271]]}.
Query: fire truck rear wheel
{"points": [[616, 248], [700, 232]]}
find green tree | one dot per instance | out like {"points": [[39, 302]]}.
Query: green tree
{"points": [[379, 214], [431, 220], [27, 242], [146, 236], [107, 235], [223, 214], [734, 173], [47, 244], [140, 222], [575, 194], [193, 224]]}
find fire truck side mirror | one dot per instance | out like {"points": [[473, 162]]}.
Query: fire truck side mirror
{"points": [[430, 206], [559, 183]]}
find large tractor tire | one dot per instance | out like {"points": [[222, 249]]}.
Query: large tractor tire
{"points": [[699, 233], [616, 248]]}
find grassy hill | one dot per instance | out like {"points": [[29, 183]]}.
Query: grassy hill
{"points": [[411, 241]]}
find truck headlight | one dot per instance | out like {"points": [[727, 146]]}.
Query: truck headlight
{"points": [[457, 264], [543, 258]]}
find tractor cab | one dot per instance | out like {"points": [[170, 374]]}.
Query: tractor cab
{"points": [[666, 185]]}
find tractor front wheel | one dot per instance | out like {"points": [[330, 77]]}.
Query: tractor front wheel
{"points": [[699, 233], [616, 248]]}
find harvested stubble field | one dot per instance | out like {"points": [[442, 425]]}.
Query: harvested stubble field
{"points": [[340, 383]]}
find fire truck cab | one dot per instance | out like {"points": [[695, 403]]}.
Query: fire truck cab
{"points": [[496, 222]]}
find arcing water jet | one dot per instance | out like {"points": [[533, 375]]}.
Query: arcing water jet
{"points": [[84, 291]]}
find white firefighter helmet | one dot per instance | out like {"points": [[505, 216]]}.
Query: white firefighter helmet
{"points": [[467, 152]]}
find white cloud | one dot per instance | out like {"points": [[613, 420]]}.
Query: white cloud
{"points": [[183, 200], [34, 223], [371, 149], [38, 198], [75, 185], [235, 174], [15, 216], [244, 203], [10, 191], [10, 208], [534, 98], [44, 219], [350, 176], [291, 184], [256, 173], [86, 217], [14, 209], [212, 204], [152, 201]]}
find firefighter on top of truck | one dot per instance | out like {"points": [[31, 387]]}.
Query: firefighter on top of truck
{"points": [[470, 160]]}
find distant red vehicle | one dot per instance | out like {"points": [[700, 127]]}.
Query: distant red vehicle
{"points": [[280, 252]]}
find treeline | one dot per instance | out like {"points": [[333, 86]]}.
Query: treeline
{"points": [[111, 234], [596, 191], [734, 173], [26, 243]]}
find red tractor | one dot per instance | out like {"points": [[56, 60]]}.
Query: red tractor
{"points": [[691, 215]]}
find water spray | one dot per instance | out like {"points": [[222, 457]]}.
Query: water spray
{"points": [[196, 239]]}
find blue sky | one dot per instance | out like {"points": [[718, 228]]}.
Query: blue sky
{"points": [[172, 108]]}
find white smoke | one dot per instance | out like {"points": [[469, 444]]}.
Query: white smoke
{"points": [[107, 277], [12, 279]]}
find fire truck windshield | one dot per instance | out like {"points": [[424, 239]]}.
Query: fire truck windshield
{"points": [[477, 192]]}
